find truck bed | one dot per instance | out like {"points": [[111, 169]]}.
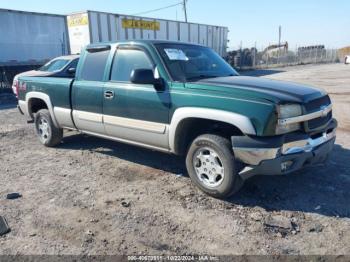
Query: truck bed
{"points": [[57, 88]]}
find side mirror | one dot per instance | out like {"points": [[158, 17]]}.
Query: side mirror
{"points": [[145, 77], [72, 70]]}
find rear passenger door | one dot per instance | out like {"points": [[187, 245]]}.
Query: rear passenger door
{"points": [[87, 91], [135, 112]]}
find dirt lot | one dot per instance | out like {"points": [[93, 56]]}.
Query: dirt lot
{"points": [[92, 196]]}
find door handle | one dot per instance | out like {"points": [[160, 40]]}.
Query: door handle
{"points": [[109, 94]]}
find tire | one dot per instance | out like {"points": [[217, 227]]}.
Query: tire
{"points": [[49, 135], [213, 152]]}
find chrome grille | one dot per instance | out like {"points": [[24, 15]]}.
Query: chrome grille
{"points": [[314, 106], [318, 122]]}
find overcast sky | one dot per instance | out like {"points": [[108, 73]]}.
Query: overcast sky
{"points": [[307, 22]]}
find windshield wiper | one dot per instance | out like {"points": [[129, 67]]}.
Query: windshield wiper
{"points": [[199, 77]]}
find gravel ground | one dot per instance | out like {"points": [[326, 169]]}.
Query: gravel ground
{"points": [[93, 196]]}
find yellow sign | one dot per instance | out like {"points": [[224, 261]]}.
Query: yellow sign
{"points": [[141, 24], [77, 20]]}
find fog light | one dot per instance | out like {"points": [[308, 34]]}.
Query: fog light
{"points": [[286, 165]]}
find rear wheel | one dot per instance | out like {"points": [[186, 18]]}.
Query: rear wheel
{"points": [[211, 165], [49, 135]]}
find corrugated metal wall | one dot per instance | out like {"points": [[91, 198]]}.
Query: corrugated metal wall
{"points": [[29, 38], [109, 27]]}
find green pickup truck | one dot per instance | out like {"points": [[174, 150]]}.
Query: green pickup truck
{"points": [[186, 100]]}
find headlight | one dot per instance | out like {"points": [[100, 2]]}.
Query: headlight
{"points": [[291, 110], [287, 111]]}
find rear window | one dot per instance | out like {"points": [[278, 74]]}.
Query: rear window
{"points": [[54, 65], [94, 65]]}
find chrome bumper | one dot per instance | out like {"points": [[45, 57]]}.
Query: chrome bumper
{"points": [[254, 156], [307, 145], [284, 150], [22, 107]]}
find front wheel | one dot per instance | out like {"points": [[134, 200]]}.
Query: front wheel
{"points": [[211, 165], [49, 135]]}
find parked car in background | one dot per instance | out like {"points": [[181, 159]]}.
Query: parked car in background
{"points": [[347, 59], [186, 100], [62, 66]]}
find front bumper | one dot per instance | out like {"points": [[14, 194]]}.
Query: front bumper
{"points": [[284, 154]]}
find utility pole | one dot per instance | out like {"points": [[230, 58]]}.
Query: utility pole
{"points": [[279, 43], [185, 9], [279, 35], [254, 59]]}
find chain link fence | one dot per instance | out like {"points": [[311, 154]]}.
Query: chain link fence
{"points": [[280, 55]]}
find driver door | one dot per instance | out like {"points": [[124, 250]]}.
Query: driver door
{"points": [[135, 112]]}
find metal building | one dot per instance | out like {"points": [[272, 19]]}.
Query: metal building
{"points": [[31, 38], [93, 27]]}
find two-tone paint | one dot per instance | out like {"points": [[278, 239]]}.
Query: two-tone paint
{"points": [[142, 115]]}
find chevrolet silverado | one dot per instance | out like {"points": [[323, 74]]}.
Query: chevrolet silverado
{"points": [[185, 99]]}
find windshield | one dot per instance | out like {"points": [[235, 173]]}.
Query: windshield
{"points": [[54, 65], [192, 63]]}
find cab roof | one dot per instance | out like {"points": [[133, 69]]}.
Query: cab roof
{"points": [[148, 42]]}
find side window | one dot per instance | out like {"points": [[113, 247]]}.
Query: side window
{"points": [[126, 60], [94, 66], [74, 64]]}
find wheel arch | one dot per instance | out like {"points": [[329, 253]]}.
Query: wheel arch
{"points": [[237, 121], [33, 96]]}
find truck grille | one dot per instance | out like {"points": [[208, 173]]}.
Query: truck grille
{"points": [[314, 106], [318, 122]]}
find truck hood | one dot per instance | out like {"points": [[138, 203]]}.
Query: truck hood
{"points": [[255, 87]]}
